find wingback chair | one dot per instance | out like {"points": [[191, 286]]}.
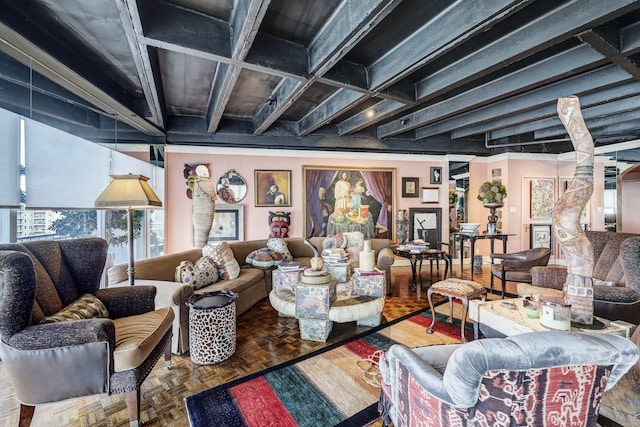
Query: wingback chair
{"points": [[516, 266], [111, 349], [526, 379]]}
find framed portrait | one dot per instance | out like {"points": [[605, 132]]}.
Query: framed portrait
{"points": [[410, 187], [435, 175], [541, 196], [273, 187], [425, 223], [342, 199], [228, 223], [429, 194], [541, 236]]}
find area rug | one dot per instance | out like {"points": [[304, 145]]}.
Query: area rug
{"points": [[322, 389]]}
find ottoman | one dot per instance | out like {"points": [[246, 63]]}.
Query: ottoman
{"points": [[464, 290]]}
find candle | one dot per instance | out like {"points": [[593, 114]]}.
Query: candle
{"points": [[367, 246], [367, 260]]}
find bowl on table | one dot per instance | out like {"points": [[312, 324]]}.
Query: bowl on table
{"points": [[469, 227]]}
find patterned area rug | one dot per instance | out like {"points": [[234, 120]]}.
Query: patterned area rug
{"points": [[325, 388]]}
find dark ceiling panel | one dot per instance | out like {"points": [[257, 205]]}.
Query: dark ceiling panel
{"points": [[411, 76]]}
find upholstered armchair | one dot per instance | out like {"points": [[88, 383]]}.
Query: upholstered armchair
{"points": [[516, 266], [526, 379], [616, 276], [47, 354]]}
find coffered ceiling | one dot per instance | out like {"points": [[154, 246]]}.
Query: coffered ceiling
{"points": [[400, 76]]}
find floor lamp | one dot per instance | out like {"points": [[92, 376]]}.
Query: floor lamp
{"points": [[130, 192]]}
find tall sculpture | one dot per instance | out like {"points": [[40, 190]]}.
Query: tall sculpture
{"points": [[576, 247], [204, 206]]}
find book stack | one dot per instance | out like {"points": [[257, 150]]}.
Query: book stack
{"points": [[290, 266], [334, 255]]}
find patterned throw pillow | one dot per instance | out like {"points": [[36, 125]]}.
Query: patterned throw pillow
{"points": [[203, 273], [223, 256], [278, 244], [85, 307]]}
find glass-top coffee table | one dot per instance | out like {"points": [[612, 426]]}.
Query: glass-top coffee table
{"points": [[508, 321]]}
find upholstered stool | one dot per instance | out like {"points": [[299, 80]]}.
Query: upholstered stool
{"points": [[464, 290]]}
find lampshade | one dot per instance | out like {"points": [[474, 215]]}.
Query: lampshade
{"points": [[128, 192]]}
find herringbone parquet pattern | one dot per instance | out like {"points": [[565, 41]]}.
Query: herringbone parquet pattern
{"points": [[263, 340]]}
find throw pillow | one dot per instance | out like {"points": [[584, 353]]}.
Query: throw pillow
{"points": [[222, 254], [88, 306], [355, 243], [264, 258], [203, 273], [279, 245]]}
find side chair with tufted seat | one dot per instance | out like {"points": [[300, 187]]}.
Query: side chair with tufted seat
{"points": [[48, 355]]}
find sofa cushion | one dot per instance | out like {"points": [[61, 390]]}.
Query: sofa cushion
{"points": [[279, 245], [199, 274], [86, 307], [222, 254]]}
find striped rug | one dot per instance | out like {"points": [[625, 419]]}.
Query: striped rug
{"points": [[322, 389]]}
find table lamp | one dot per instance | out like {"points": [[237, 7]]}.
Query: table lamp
{"points": [[128, 192]]}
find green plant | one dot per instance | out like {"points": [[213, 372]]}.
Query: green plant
{"points": [[83, 223], [453, 196], [492, 192]]}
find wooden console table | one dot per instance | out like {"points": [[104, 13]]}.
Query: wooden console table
{"points": [[472, 237]]}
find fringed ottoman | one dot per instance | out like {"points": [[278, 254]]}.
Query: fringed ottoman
{"points": [[464, 290]]}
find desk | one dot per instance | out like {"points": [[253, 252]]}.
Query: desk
{"points": [[427, 254], [472, 237]]}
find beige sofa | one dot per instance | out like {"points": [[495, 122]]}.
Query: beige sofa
{"points": [[252, 285]]}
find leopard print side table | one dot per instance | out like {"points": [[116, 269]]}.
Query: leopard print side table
{"points": [[212, 326]]}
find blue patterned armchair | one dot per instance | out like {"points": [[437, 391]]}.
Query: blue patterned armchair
{"points": [[538, 378]]}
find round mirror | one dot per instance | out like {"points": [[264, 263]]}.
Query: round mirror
{"points": [[231, 187]]}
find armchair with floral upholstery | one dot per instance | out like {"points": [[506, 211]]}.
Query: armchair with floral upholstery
{"points": [[527, 379], [62, 337]]}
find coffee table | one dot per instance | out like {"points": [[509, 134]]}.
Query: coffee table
{"points": [[512, 322]]}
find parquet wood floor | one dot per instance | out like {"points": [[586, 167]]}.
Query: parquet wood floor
{"points": [[263, 339]]}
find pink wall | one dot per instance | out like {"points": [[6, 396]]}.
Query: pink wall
{"points": [[515, 170], [178, 228]]}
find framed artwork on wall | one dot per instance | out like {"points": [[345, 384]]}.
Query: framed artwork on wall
{"points": [[435, 175], [541, 236], [429, 194], [341, 199], [425, 223], [410, 187], [273, 187], [228, 223], [541, 196]]}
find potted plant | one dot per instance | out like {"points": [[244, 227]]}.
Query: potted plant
{"points": [[492, 193], [453, 197]]}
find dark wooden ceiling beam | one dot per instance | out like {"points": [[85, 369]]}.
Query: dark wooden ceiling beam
{"points": [[349, 24], [599, 116], [607, 42], [606, 94], [554, 125], [247, 18], [543, 72], [451, 28], [56, 60], [492, 117], [550, 28], [146, 67], [339, 102]]}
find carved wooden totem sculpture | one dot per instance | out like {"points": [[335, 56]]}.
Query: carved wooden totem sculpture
{"points": [[576, 247]]}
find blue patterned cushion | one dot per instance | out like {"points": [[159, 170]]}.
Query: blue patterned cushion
{"points": [[85, 307]]}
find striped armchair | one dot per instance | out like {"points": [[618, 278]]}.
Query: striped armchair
{"points": [[538, 378]]}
